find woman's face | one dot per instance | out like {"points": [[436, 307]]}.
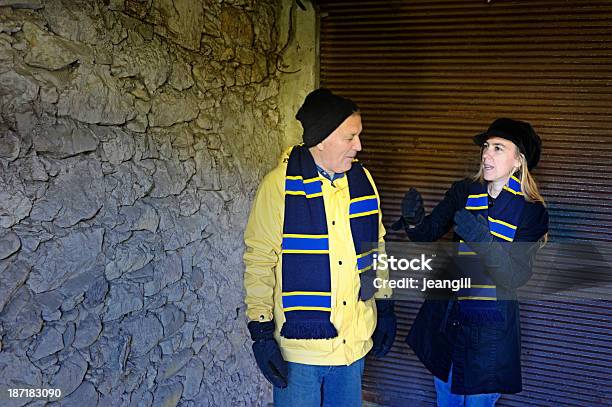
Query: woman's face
{"points": [[499, 159]]}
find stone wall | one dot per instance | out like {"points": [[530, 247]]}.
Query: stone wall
{"points": [[133, 134], [298, 62]]}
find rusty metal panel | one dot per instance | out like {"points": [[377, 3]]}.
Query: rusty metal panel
{"points": [[428, 75]]}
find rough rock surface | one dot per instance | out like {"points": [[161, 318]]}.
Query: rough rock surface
{"points": [[133, 135]]}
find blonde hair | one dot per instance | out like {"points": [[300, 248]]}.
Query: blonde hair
{"points": [[529, 187]]}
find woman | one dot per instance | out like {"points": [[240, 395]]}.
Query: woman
{"points": [[471, 344]]}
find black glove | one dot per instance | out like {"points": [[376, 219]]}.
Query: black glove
{"points": [[367, 288], [267, 353], [413, 211], [475, 230], [386, 326], [472, 229]]}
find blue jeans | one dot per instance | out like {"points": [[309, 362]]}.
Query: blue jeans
{"points": [[448, 399], [316, 386]]}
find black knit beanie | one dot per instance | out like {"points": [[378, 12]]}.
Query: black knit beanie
{"points": [[321, 113]]}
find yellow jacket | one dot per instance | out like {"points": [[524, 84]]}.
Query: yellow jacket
{"points": [[355, 320]]}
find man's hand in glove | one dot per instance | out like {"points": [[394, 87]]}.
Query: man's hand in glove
{"points": [[267, 353], [386, 325], [413, 211]]}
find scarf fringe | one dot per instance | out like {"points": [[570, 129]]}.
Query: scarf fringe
{"points": [[308, 329]]}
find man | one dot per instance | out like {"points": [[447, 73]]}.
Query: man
{"points": [[312, 233]]}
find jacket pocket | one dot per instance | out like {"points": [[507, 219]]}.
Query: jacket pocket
{"points": [[485, 337], [366, 320]]}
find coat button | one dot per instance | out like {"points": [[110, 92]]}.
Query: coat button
{"points": [[344, 341], [333, 222], [340, 262], [343, 302]]}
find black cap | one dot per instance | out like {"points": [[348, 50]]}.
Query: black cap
{"points": [[520, 133], [321, 113]]}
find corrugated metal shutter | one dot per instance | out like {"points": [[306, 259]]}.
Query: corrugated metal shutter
{"points": [[428, 75]]}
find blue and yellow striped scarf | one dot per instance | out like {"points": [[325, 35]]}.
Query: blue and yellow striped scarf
{"points": [[477, 304], [307, 296]]}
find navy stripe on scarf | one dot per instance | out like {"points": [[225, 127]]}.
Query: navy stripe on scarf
{"points": [[306, 278], [477, 304]]}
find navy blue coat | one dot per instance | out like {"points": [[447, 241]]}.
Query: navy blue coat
{"points": [[484, 358]]}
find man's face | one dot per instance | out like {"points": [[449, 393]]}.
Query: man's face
{"points": [[337, 151]]}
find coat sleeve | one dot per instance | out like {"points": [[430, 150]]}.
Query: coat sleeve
{"points": [[439, 222], [263, 238], [511, 264]]}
